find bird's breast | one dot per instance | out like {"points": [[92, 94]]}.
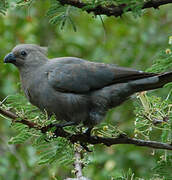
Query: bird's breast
{"points": [[66, 106]]}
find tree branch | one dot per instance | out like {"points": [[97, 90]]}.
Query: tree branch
{"points": [[14, 117], [83, 138], [111, 10]]}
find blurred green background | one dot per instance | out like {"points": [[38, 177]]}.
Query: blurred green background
{"points": [[127, 41]]}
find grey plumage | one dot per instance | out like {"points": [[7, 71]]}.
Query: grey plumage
{"points": [[77, 90]]}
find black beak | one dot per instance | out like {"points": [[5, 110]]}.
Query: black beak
{"points": [[10, 58]]}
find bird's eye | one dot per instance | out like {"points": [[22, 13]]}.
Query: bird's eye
{"points": [[23, 53]]}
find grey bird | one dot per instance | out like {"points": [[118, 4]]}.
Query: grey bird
{"points": [[76, 90]]}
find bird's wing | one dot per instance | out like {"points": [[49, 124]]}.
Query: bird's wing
{"points": [[86, 76]]}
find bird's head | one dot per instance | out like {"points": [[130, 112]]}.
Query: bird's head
{"points": [[26, 54]]}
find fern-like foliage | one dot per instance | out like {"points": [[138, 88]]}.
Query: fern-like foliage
{"points": [[61, 15], [162, 62], [164, 167], [50, 149], [3, 6], [155, 113], [23, 134], [154, 116], [58, 150]]}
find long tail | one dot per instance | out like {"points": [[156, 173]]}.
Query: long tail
{"points": [[150, 83], [116, 94]]}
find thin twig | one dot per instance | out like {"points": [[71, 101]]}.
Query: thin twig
{"points": [[83, 138], [78, 164], [14, 117], [111, 10], [2, 102]]}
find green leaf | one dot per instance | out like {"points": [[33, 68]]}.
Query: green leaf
{"points": [[57, 19]]}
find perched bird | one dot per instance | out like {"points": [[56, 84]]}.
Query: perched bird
{"points": [[76, 90]]}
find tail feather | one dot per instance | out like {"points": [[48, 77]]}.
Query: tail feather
{"points": [[114, 95], [165, 78], [150, 83], [132, 77]]}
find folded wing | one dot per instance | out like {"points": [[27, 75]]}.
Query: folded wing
{"points": [[86, 76]]}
